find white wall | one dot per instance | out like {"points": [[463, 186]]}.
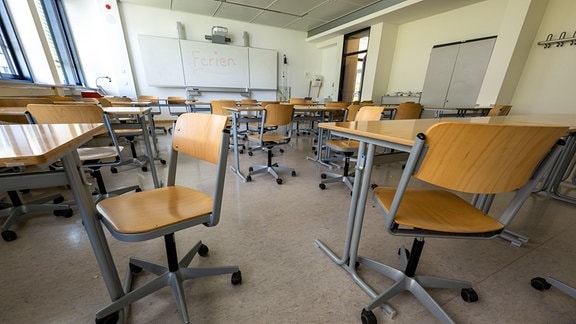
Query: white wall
{"points": [[416, 39]]}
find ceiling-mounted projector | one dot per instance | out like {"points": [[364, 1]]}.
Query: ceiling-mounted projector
{"points": [[219, 35]]}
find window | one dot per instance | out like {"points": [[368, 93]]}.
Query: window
{"points": [[60, 42], [353, 64], [12, 63]]}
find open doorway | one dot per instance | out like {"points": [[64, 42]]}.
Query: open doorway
{"points": [[353, 64]]}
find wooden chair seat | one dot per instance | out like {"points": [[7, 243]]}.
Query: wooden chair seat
{"points": [[184, 204], [420, 209], [98, 153]]}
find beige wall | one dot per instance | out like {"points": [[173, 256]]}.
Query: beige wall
{"points": [[548, 80]]}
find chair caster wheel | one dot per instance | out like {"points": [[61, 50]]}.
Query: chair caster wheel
{"points": [[203, 250], [66, 213], [322, 186], [241, 151], [368, 317], [9, 235], [236, 278], [293, 173], [279, 181], [250, 153], [323, 176], [281, 151], [540, 283], [248, 179], [250, 169], [163, 162], [144, 169], [110, 319], [134, 268], [113, 170], [469, 295], [58, 200]]}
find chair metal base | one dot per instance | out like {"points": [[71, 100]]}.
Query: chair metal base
{"points": [[13, 213], [166, 277], [406, 280]]}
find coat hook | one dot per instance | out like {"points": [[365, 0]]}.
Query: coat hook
{"points": [[560, 38]]}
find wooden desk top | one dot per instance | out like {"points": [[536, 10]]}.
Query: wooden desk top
{"points": [[404, 131], [30, 144]]}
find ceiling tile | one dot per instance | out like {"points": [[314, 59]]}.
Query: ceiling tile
{"points": [[274, 19], [201, 7], [305, 24], [235, 12], [296, 7], [333, 10]]}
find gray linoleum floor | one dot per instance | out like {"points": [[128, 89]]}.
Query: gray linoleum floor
{"points": [[49, 274]]}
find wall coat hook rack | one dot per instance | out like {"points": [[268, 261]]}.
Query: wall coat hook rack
{"points": [[559, 41]]}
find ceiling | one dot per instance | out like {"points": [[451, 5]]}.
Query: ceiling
{"points": [[312, 16]]}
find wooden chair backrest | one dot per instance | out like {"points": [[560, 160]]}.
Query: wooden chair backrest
{"points": [[248, 102], [484, 158], [339, 104], [218, 106], [408, 110], [351, 112], [176, 100], [199, 135], [299, 101], [500, 110], [23, 102], [104, 102], [279, 115], [60, 114], [60, 98], [368, 113], [151, 99], [266, 103]]}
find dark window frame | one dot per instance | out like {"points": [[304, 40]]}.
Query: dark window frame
{"points": [[12, 49]]}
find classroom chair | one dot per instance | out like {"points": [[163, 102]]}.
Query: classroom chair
{"points": [[348, 147], [408, 110], [500, 110], [173, 103], [156, 110], [164, 211], [92, 157], [276, 131], [18, 207], [503, 158]]}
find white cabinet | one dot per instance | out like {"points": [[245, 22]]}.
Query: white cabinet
{"points": [[455, 73]]}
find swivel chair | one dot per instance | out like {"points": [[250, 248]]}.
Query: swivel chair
{"points": [[164, 211], [504, 158]]}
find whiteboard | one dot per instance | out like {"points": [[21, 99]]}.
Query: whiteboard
{"points": [[162, 61], [214, 65], [263, 64]]}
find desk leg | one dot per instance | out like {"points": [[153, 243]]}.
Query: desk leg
{"points": [[318, 157], [89, 216], [562, 170], [154, 140], [149, 152], [236, 167], [355, 220]]}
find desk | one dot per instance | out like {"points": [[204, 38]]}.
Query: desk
{"points": [[399, 135], [459, 111], [29, 145], [318, 158], [141, 113], [192, 106], [236, 120]]}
